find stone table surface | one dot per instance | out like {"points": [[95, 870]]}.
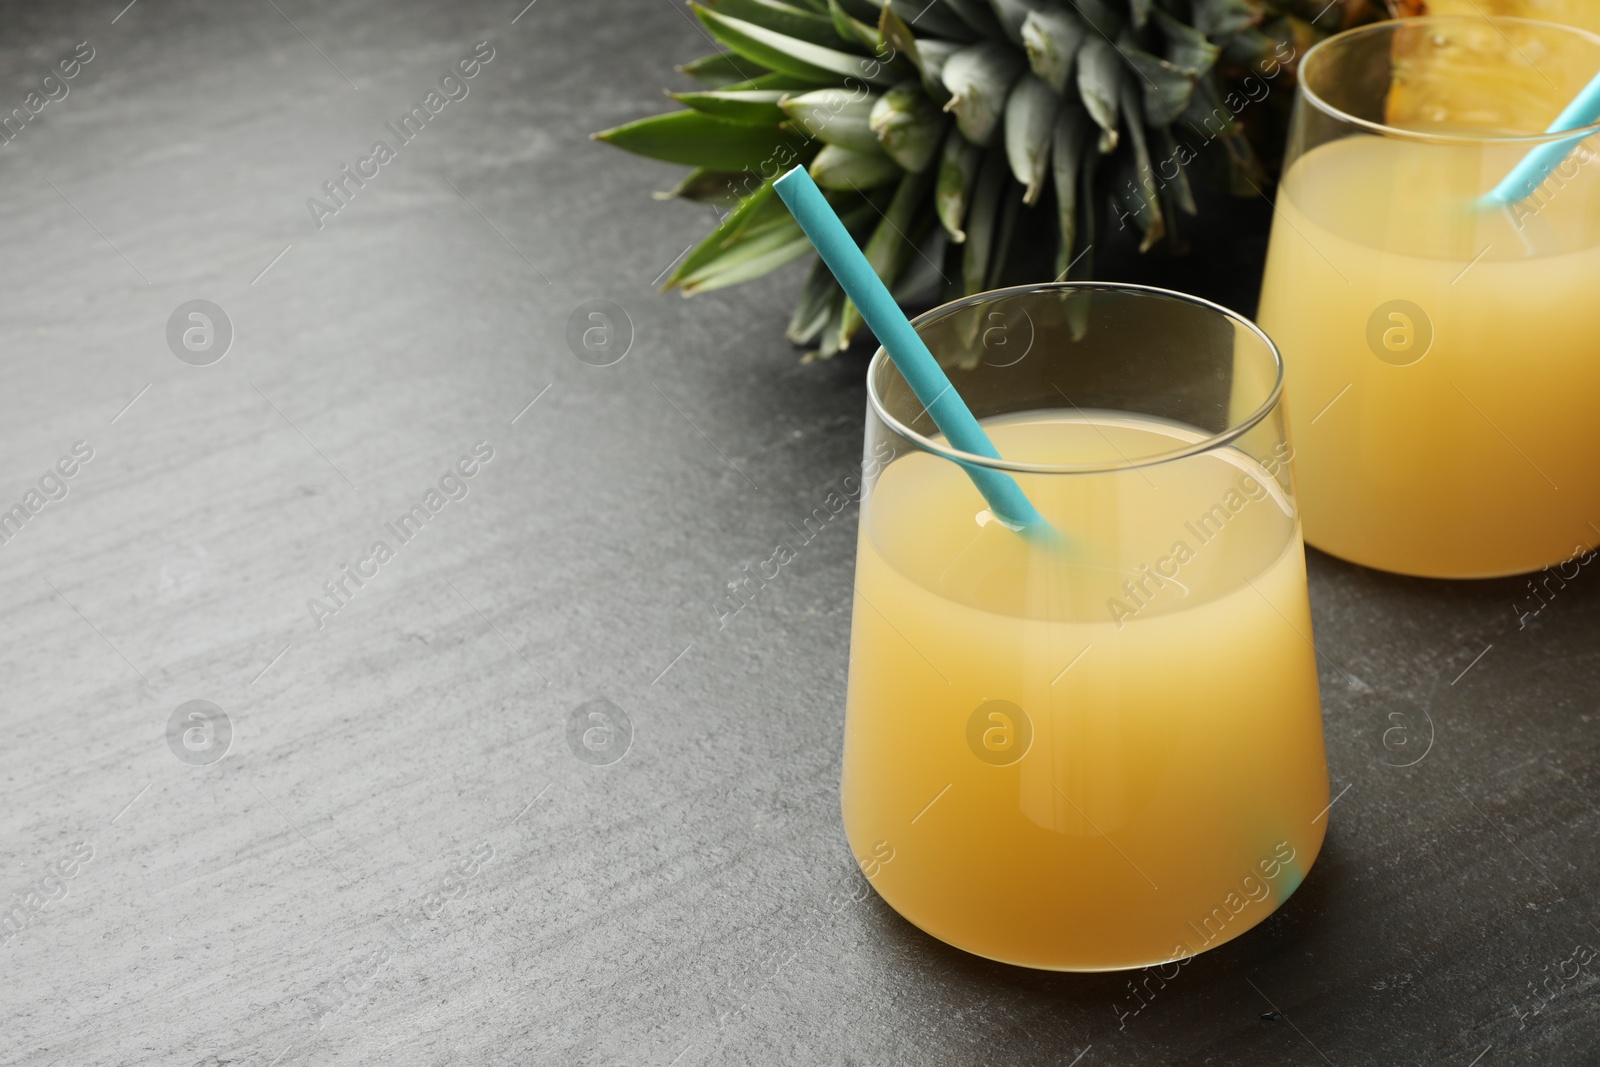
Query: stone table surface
{"points": [[400, 858]]}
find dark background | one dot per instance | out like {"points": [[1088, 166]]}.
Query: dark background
{"points": [[313, 897]]}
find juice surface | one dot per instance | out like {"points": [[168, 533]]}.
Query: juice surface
{"points": [[1155, 780], [1442, 361]]}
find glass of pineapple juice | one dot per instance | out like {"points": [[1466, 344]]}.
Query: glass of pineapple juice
{"points": [[1440, 354], [1109, 753]]}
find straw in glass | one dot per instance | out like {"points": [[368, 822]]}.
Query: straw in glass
{"points": [[908, 351], [1536, 166]]}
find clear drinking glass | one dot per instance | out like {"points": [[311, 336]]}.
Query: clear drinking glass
{"points": [[1440, 353], [1108, 753]]}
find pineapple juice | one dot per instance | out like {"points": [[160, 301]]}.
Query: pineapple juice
{"points": [[1442, 361], [1093, 758]]}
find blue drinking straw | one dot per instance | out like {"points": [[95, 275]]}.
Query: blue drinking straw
{"points": [[1536, 166], [910, 355]]}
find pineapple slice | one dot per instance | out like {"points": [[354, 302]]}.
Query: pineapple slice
{"points": [[1429, 91], [1584, 14]]}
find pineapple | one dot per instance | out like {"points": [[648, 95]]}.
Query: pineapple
{"points": [[1584, 14], [966, 143], [1429, 89]]}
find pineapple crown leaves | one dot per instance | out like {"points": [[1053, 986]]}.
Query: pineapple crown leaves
{"points": [[944, 131]]}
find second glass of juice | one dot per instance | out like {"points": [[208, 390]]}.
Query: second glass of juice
{"points": [[1441, 350], [1105, 751]]}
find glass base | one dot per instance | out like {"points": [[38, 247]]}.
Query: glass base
{"points": [[1195, 939], [1380, 562]]}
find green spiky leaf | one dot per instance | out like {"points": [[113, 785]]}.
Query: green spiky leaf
{"points": [[908, 125], [751, 208], [850, 29], [757, 214], [932, 56], [1140, 194], [1247, 46], [765, 81], [1167, 88], [865, 10], [1099, 86], [1005, 247], [840, 168], [1187, 48], [761, 254], [1030, 121], [922, 278], [1207, 115], [1051, 39], [759, 106], [888, 248], [781, 18], [836, 117], [1223, 18], [818, 297], [706, 187], [983, 223], [896, 36], [757, 238], [958, 171], [1013, 13], [929, 18], [1082, 263], [1066, 159], [790, 55], [721, 68], [695, 139], [979, 77], [1179, 157], [831, 341]]}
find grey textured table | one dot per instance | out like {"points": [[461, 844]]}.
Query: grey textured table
{"points": [[400, 858]]}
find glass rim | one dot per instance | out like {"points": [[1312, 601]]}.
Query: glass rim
{"points": [[1390, 26], [1205, 443]]}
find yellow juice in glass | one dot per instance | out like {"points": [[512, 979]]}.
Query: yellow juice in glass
{"points": [[1090, 758], [1442, 360]]}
